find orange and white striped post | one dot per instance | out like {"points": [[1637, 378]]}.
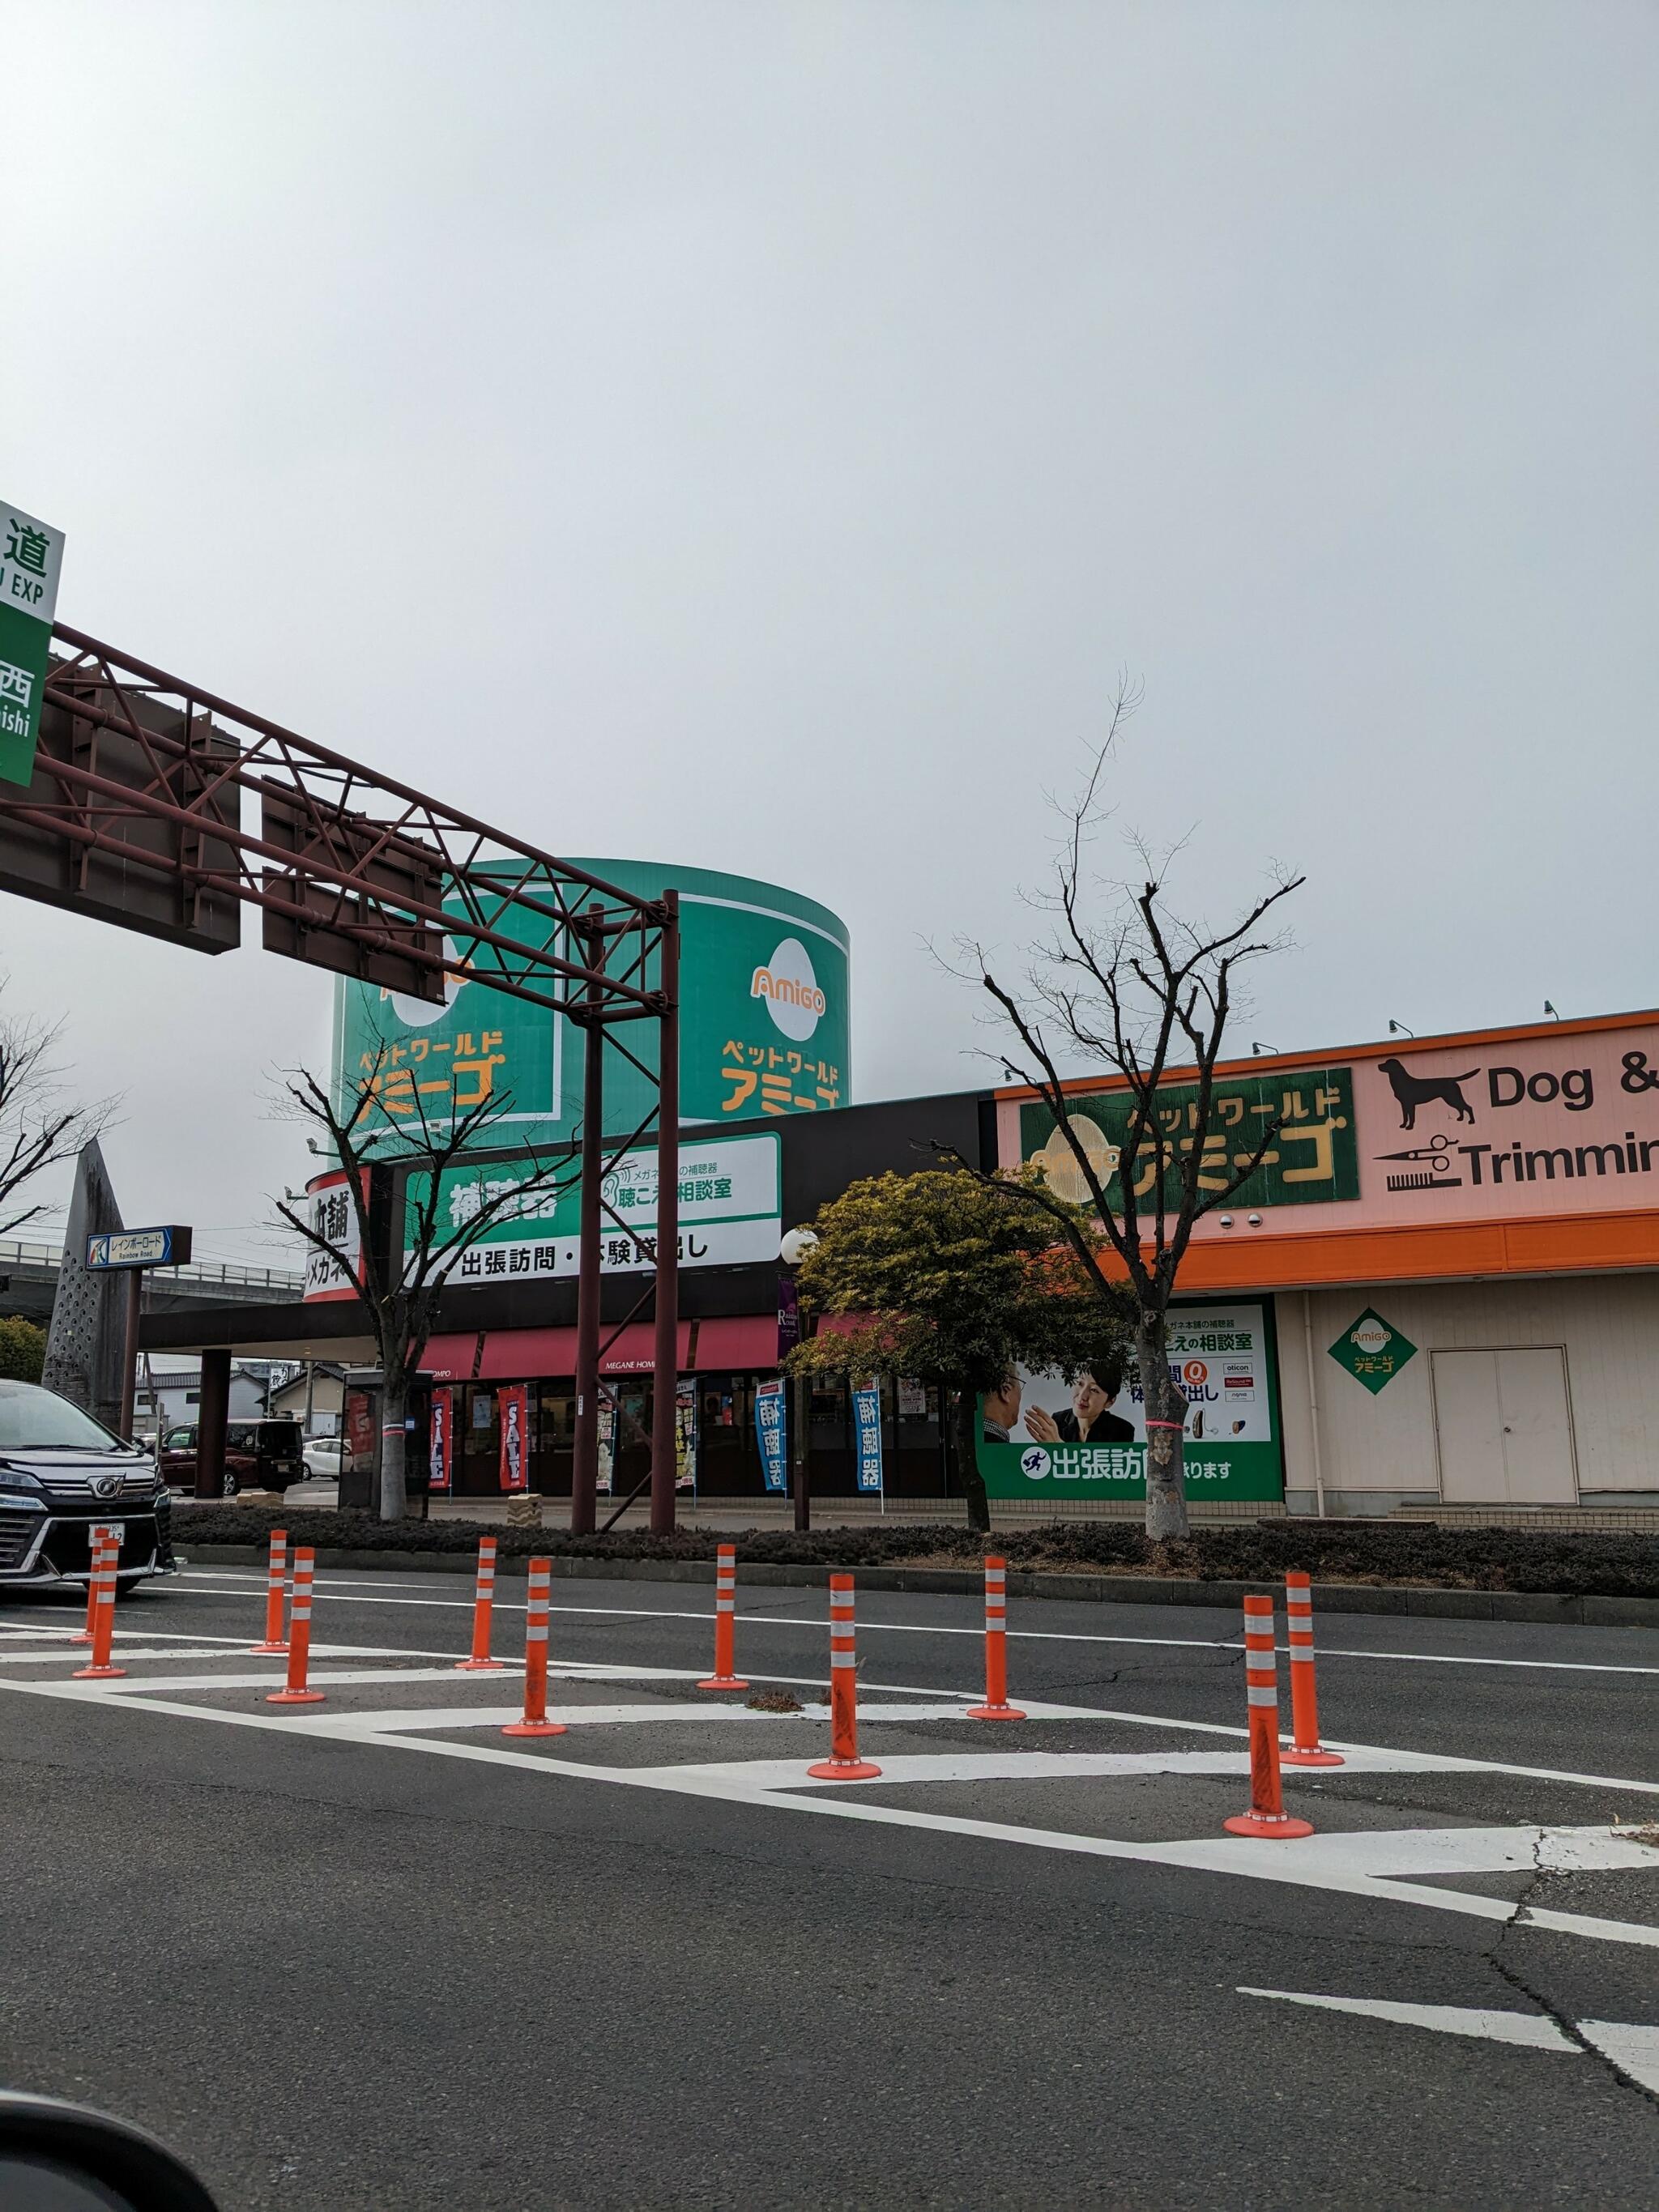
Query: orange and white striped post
{"points": [[1267, 1816], [843, 1764], [98, 1534], [996, 1706], [106, 1552], [298, 1637], [483, 1599], [724, 1676], [275, 1578], [1304, 1749], [535, 1721]]}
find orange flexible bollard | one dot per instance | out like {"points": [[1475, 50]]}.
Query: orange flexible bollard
{"points": [[1305, 1749], [483, 1599], [996, 1706], [299, 1638], [1267, 1816], [724, 1676], [535, 1721], [275, 1577], [843, 1764], [104, 1555], [97, 1536]]}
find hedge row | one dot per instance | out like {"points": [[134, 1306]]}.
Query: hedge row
{"points": [[1575, 1565]]}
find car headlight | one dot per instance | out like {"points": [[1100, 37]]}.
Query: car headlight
{"points": [[18, 1478]]}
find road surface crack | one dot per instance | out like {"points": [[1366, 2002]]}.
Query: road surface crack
{"points": [[1508, 1972]]}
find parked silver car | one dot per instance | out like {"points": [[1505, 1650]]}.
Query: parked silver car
{"points": [[61, 1472]]}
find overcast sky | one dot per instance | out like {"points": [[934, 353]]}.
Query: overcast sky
{"points": [[757, 435]]}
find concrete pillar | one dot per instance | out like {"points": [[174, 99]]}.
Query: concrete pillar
{"points": [[212, 1414]]}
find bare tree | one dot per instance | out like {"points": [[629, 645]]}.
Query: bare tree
{"points": [[1144, 996], [401, 1284], [37, 1129]]}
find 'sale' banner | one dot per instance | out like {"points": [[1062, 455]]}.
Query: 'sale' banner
{"points": [[513, 1404], [442, 1450]]}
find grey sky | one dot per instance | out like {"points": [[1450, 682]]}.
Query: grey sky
{"points": [[757, 435]]}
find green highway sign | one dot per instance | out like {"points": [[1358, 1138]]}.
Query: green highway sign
{"points": [[31, 554], [1372, 1352]]}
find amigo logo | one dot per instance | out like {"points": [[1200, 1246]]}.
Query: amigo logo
{"points": [[790, 990]]}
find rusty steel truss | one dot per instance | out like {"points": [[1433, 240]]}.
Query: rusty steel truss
{"points": [[160, 807]]}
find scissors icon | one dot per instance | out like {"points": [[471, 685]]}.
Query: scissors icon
{"points": [[1437, 1152]]}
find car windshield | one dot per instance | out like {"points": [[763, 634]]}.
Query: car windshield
{"points": [[34, 1419]]}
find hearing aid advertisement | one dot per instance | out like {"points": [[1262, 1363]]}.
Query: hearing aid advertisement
{"points": [[1086, 1439]]}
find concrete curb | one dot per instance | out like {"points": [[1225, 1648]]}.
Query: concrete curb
{"points": [[962, 1582]]}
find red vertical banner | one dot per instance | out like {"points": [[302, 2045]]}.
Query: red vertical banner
{"points": [[512, 1409], [442, 1454]]}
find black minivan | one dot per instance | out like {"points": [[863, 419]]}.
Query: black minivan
{"points": [[61, 1473]]}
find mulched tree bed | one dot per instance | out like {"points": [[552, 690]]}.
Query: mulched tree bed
{"points": [[1566, 1565]]}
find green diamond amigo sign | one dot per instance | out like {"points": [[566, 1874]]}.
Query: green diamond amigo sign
{"points": [[1372, 1352], [31, 554]]}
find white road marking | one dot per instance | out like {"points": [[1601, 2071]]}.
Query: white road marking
{"points": [[1634, 2049], [337, 1589], [1356, 1865], [398, 1721], [1536, 2031]]}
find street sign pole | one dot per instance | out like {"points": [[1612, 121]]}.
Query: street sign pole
{"points": [[129, 1252], [130, 1366]]}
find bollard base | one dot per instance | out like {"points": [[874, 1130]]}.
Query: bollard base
{"points": [[481, 1666], [95, 1673], [995, 1713], [844, 1770], [1293, 1756], [296, 1698], [535, 1728], [723, 1682], [269, 1650], [1278, 1828]]}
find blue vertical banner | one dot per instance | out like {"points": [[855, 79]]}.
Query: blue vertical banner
{"points": [[771, 1427], [866, 1426]]}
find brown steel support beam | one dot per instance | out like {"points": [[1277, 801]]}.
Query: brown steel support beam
{"points": [[665, 1469], [585, 1464]]}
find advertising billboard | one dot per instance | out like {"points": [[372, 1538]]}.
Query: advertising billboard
{"points": [[1495, 1127], [765, 1020], [730, 1212], [1044, 1438]]}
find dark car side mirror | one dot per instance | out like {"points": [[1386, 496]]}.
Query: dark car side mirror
{"points": [[56, 2157]]}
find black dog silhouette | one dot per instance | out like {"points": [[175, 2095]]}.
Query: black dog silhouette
{"points": [[1414, 1090]]}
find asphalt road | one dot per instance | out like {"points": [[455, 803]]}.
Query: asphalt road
{"points": [[372, 1953]]}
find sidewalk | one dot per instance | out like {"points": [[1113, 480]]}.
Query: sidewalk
{"points": [[775, 1512]]}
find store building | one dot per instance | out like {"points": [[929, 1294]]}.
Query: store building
{"points": [[1441, 1292], [1438, 1293]]}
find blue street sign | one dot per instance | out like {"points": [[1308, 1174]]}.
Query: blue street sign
{"points": [[139, 1247]]}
